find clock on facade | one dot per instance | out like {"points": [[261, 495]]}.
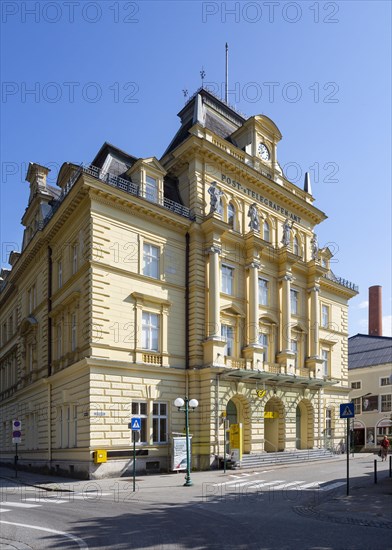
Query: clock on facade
{"points": [[263, 151]]}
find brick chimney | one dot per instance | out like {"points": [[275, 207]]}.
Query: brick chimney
{"points": [[375, 311]]}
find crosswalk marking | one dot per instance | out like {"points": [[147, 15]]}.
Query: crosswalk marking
{"points": [[46, 499], [4, 510], [22, 505], [279, 484]]}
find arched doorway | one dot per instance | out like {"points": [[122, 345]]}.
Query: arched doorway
{"points": [[238, 412], [304, 433], [274, 425]]}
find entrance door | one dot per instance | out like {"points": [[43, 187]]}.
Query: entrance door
{"points": [[274, 426], [232, 417], [298, 428]]}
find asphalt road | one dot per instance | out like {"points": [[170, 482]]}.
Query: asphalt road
{"points": [[241, 510]]}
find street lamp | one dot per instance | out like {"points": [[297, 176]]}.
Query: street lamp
{"points": [[183, 405]]}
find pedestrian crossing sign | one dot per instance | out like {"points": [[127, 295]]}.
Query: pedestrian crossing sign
{"points": [[347, 410], [136, 424]]}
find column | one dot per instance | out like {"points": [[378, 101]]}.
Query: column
{"points": [[213, 322], [314, 321], [253, 306], [286, 312]]}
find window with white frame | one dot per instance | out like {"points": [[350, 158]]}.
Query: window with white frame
{"points": [[294, 301], [231, 214], [263, 292], [356, 385], [159, 423], [74, 341], [74, 259], [357, 405], [59, 274], [227, 279], [150, 331], [386, 381], [151, 255], [151, 189], [227, 333], [296, 246], [266, 232], [325, 364], [263, 341], [324, 316], [139, 410], [294, 349], [32, 298], [386, 403], [59, 335], [67, 426]]}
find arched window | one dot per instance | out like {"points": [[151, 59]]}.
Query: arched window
{"points": [[231, 214], [266, 232], [296, 246]]}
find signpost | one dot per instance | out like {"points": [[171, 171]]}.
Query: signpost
{"points": [[347, 411], [16, 438], [135, 425]]}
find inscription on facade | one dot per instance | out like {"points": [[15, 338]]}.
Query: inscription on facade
{"points": [[262, 200]]}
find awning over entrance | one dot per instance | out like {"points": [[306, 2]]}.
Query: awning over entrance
{"points": [[276, 378]]}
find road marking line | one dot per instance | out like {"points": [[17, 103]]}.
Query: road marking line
{"points": [[332, 486], [46, 499], [78, 541], [3, 510], [312, 485], [22, 505], [258, 485], [288, 485]]}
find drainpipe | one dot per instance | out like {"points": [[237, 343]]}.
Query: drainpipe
{"points": [[49, 423], [319, 418], [186, 314], [217, 416]]}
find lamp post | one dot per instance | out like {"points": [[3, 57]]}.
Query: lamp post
{"points": [[183, 405]]}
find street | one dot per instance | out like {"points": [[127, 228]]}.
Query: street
{"points": [[275, 508]]}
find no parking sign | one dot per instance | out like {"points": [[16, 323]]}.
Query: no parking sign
{"points": [[16, 431]]}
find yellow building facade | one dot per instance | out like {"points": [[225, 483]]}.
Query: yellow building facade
{"points": [[141, 280]]}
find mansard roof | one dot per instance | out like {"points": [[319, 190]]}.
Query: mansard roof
{"points": [[365, 350]]}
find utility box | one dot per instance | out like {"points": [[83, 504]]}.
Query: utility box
{"points": [[100, 456]]}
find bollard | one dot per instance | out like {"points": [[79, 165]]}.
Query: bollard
{"points": [[375, 471]]}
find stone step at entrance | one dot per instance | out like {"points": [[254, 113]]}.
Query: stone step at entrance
{"points": [[284, 457]]}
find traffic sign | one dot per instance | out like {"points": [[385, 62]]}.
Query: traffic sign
{"points": [[347, 410], [16, 431], [136, 424]]}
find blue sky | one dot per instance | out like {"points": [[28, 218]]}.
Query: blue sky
{"points": [[76, 74]]}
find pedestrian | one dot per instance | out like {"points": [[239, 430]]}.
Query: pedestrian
{"points": [[384, 448]]}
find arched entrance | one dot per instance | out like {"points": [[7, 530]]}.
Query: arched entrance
{"points": [[304, 418], [274, 425], [238, 412]]}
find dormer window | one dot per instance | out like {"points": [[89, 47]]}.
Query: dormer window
{"points": [[151, 192]]}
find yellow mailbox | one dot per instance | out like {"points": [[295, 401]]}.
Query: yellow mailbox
{"points": [[100, 455]]}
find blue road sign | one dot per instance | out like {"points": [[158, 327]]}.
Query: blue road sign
{"points": [[136, 424], [347, 410]]}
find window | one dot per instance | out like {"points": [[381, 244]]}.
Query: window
{"points": [[30, 357], [32, 298], [151, 189], [139, 410], [328, 422], [325, 365], [294, 302], [266, 232], [227, 279], [60, 427], [296, 246], [324, 316], [263, 341], [73, 332], [386, 403], [386, 381], [263, 292], [150, 331], [59, 341], [357, 405], [67, 426], [231, 214], [151, 260], [75, 426], [159, 423], [4, 334], [355, 385], [74, 259], [294, 349], [227, 333], [59, 274], [219, 207]]}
